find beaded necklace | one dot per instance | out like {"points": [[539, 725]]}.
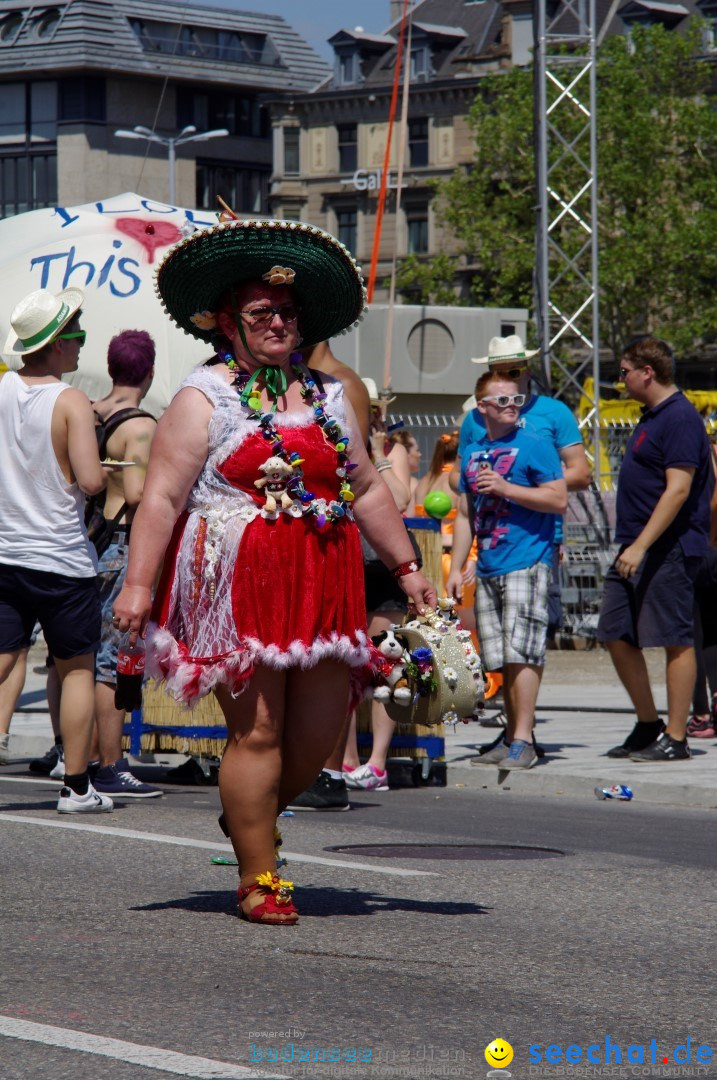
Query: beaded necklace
{"points": [[323, 512]]}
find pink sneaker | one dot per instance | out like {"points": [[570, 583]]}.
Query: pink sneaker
{"points": [[366, 778], [701, 727]]}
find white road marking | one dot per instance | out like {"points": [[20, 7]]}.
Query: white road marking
{"points": [[186, 841], [150, 1057], [30, 780]]}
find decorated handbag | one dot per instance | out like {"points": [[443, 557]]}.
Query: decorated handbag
{"points": [[442, 676]]}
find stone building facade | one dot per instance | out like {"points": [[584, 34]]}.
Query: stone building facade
{"points": [[72, 73]]}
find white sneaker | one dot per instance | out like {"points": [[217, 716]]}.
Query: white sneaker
{"points": [[4, 749], [365, 778], [58, 771], [91, 803]]}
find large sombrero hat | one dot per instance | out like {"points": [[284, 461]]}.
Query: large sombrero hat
{"points": [[325, 279]]}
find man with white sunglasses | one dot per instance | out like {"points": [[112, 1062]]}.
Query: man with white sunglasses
{"points": [[511, 485], [541, 415]]}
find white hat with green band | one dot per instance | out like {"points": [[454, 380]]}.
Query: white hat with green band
{"points": [[39, 317], [503, 350]]}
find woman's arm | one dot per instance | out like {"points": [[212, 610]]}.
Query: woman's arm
{"points": [[379, 520], [394, 467], [179, 450]]}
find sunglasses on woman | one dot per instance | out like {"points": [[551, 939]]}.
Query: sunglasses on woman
{"points": [[504, 400], [260, 316]]}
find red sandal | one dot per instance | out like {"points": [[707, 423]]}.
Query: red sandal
{"points": [[277, 901]]}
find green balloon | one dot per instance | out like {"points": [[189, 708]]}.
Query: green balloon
{"points": [[437, 504]]}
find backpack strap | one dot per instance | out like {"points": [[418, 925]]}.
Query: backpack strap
{"points": [[110, 425]]}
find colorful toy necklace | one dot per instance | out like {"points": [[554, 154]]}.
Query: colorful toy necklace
{"points": [[275, 381]]}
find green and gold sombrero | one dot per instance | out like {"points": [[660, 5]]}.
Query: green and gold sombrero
{"points": [[324, 277]]}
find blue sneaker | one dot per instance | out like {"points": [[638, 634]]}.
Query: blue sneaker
{"points": [[521, 755], [117, 780]]}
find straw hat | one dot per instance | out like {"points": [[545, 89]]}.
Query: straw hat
{"points": [[323, 276], [39, 317], [373, 393], [501, 350]]}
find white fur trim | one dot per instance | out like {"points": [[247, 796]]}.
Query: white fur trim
{"points": [[166, 662]]}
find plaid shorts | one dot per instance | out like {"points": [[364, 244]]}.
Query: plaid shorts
{"points": [[512, 617]]}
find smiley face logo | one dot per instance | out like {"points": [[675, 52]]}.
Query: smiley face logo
{"points": [[499, 1053]]}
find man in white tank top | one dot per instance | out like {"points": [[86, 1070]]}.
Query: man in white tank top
{"points": [[48, 568]]}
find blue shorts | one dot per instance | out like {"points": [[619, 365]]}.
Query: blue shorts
{"points": [[655, 607], [111, 574], [67, 609]]}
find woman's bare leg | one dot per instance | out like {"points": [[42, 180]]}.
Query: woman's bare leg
{"points": [[316, 706], [250, 772]]}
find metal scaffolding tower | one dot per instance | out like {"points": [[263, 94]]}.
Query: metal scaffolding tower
{"points": [[566, 158]]}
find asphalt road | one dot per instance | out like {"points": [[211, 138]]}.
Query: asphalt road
{"points": [[133, 938]]}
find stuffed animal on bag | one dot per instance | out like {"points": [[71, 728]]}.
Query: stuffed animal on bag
{"points": [[389, 660]]}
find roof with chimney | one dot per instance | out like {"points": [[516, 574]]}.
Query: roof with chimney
{"points": [[157, 38], [466, 37]]}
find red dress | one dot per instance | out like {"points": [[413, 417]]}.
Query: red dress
{"points": [[242, 586]]}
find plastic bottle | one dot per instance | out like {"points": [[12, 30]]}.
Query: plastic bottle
{"points": [[130, 674], [615, 791]]}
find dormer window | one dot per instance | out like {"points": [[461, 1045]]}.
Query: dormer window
{"points": [[708, 11], [421, 62], [347, 67]]}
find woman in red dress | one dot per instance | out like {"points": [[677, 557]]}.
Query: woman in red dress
{"points": [[255, 487]]}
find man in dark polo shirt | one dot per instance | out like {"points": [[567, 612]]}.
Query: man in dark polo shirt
{"points": [[663, 525]]}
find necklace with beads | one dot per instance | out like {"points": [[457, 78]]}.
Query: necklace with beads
{"points": [[324, 512]]}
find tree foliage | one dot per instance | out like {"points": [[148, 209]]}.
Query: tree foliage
{"points": [[657, 193]]}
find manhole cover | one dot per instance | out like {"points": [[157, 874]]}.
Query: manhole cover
{"points": [[449, 851]]}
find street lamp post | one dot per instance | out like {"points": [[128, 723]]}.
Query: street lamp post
{"points": [[187, 134]]}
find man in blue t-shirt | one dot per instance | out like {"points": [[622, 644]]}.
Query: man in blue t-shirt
{"points": [[664, 494], [507, 356], [511, 486]]}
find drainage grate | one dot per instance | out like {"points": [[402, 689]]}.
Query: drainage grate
{"points": [[472, 852]]}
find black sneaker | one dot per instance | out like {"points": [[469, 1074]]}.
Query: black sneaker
{"points": [[324, 794], [664, 748], [641, 736], [44, 765]]}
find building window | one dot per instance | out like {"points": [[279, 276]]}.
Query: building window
{"points": [[291, 151], [28, 158], [245, 190], [10, 27], [27, 182], [347, 68], [420, 63], [47, 23], [348, 147], [82, 99], [240, 114], [12, 113], [347, 227], [418, 142], [225, 46], [417, 228]]}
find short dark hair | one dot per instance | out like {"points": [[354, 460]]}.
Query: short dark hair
{"points": [[130, 357], [647, 351]]}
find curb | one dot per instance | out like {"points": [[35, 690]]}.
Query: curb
{"points": [[543, 781]]}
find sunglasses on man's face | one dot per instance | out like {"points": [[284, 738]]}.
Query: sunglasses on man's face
{"points": [[512, 373], [79, 335], [504, 400]]}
